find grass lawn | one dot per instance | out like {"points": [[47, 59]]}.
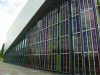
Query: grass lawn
{"points": [[1, 59]]}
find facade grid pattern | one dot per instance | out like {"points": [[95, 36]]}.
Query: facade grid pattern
{"points": [[47, 44]]}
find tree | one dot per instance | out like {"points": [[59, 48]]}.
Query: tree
{"points": [[1, 53]]}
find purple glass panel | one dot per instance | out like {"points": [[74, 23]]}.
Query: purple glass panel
{"points": [[41, 49], [36, 49], [96, 59], [42, 35], [86, 63], [74, 7], [63, 28], [67, 12], [48, 19], [94, 40], [90, 4], [77, 6], [64, 2], [76, 64], [42, 23], [80, 64], [68, 63], [92, 21], [66, 27], [64, 11], [67, 44], [30, 49], [83, 21], [51, 19], [61, 14], [50, 51], [78, 25], [64, 63], [85, 41], [50, 32], [45, 35], [49, 62], [74, 24], [75, 42], [43, 46], [82, 5], [38, 26], [33, 38], [47, 47], [45, 22], [79, 42], [62, 44]]}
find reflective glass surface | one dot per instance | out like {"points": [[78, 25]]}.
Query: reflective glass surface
{"points": [[47, 44]]}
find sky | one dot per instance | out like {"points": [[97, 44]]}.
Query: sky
{"points": [[9, 10]]}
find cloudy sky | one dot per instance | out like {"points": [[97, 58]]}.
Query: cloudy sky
{"points": [[9, 10]]}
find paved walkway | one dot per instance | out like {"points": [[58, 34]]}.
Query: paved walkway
{"points": [[10, 69]]}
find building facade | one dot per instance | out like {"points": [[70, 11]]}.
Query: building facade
{"points": [[65, 39]]}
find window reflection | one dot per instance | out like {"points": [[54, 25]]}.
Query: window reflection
{"points": [[47, 48]]}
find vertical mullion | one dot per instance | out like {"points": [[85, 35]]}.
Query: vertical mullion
{"points": [[60, 34], [83, 60], [52, 40], [96, 24], [71, 54], [57, 17]]}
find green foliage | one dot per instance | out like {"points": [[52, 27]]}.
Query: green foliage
{"points": [[1, 53], [1, 59], [98, 1]]}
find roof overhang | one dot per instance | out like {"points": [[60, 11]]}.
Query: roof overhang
{"points": [[32, 12]]}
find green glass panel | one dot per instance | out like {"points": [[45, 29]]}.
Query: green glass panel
{"points": [[86, 5], [87, 20], [58, 62], [89, 40]]}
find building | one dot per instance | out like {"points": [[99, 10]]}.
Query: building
{"points": [[56, 35]]}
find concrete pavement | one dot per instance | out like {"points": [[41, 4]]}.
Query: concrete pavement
{"points": [[10, 69]]}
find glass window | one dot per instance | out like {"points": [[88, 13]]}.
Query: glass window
{"points": [[87, 20], [55, 31], [54, 46], [62, 44], [96, 60], [77, 6], [67, 27], [86, 63], [63, 28], [94, 40], [79, 42], [82, 5], [85, 42], [86, 4], [76, 64], [66, 11], [92, 21], [90, 3], [75, 42], [74, 24], [83, 21], [77, 22], [74, 9]]}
